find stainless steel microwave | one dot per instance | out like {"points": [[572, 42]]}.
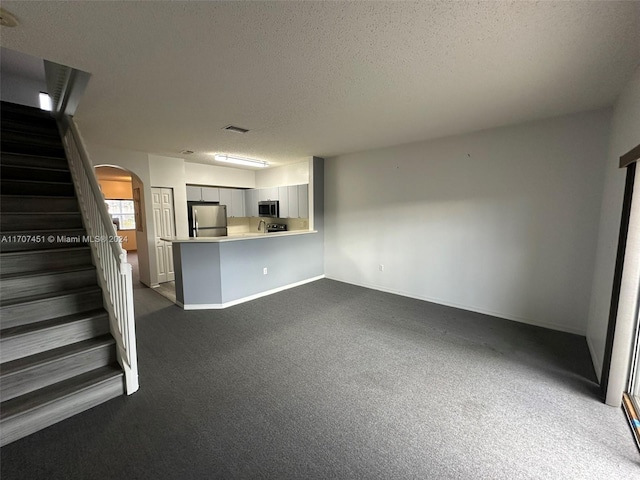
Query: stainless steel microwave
{"points": [[270, 208]]}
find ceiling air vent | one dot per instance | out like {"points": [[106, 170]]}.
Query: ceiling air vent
{"points": [[231, 128]]}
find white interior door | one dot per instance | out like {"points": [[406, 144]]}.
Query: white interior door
{"points": [[163, 226]]}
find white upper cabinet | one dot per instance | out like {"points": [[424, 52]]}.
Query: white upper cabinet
{"points": [[294, 199], [203, 194], [194, 194], [233, 198], [225, 198], [303, 201], [283, 197], [251, 202], [294, 207], [297, 201], [237, 203], [210, 194], [265, 194]]}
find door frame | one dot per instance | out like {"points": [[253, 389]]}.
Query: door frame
{"points": [[623, 316]]}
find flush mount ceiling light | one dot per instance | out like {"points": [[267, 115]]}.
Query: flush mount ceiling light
{"points": [[45, 101], [6, 19], [248, 162]]}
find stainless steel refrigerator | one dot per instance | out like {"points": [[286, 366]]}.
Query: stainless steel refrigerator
{"points": [[207, 220]]}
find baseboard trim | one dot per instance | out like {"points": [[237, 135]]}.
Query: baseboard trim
{"points": [[218, 306], [597, 364], [470, 308]]}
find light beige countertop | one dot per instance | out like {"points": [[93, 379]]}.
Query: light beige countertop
{"points": [[236, 236]]}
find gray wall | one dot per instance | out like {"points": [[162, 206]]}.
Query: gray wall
{"points": [[217, 273], [288, 259], [502, 221], [197, 273], [21, 90], [22, 78]]}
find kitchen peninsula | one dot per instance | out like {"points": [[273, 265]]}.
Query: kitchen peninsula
{"points": [[218, 272]]}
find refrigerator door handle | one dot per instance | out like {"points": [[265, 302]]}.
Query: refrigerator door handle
{"points": [[195, 222]]}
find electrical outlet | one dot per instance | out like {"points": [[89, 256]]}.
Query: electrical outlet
{"points": [[265, 271], [381, 267]]}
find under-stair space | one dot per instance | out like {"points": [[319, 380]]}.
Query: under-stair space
{"points": [[57, 355]]}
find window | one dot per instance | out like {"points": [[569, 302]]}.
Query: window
{"points": [[123, 213]]}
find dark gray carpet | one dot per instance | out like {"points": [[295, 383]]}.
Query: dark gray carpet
{"points": [[330, 380]]}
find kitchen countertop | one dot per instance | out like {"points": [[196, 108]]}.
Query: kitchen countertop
{"points": [[236, 237]]}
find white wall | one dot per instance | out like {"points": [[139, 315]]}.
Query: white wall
{"points": [[625, 135], [502, 221], [293, 174], [169, 172], [21, 90], [201, 174]]}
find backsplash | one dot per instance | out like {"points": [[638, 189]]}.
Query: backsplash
{"points": [[237, 225]]}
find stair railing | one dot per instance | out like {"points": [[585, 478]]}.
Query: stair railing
{"points": [[114, 273]]}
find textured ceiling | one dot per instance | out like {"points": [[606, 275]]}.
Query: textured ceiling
{"points": [[325, 78]]}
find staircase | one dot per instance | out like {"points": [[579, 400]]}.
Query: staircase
{"points": [[57, 355]]}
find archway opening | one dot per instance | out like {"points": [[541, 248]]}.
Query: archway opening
{"points": [[122, 191]]}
